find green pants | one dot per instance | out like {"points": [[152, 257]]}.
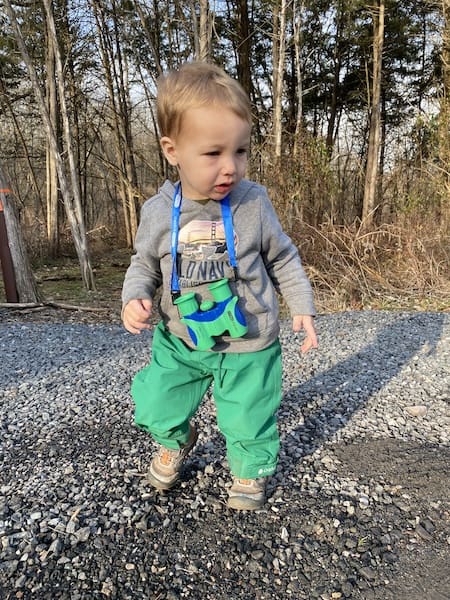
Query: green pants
{"points": [[247, 394]]}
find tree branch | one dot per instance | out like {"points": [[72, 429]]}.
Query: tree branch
{"points": [[21, 305]]}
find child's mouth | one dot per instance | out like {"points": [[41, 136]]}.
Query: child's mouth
{"points": [[223, 188]]}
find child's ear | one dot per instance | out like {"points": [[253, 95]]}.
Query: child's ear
{"points": [[169, 150]]}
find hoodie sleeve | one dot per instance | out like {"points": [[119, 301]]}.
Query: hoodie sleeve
{"points": [[283, 263], [143, 276]]}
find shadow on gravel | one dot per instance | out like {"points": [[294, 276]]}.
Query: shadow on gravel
{"points": [[331, 398], [340, 391]]}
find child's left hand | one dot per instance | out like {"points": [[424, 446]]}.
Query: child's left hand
{"points": [[306, 322]]}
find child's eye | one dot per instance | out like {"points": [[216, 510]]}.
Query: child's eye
{"points": [[242, 151], [213, 153]]}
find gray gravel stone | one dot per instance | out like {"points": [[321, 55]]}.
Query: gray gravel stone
{"points": [[357, 509]]}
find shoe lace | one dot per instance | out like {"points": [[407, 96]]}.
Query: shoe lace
{"points": [[167, 455], [254, 484]]}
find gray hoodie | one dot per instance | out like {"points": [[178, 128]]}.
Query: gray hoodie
{"points": [[267, 262]]}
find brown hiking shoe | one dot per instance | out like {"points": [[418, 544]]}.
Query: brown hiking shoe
{"points": [[165, 467], [247, 494]]}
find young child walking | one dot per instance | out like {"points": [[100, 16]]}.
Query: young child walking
{"points": [[214, 245]]}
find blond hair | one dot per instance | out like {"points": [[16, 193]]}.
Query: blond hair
{"points": [[194, 85]]}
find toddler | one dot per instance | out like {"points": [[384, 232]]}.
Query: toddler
{"points": [[214, 245]]}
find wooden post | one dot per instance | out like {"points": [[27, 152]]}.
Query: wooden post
{"points": [[9, 279]]}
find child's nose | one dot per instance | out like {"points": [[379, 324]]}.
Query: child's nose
{"points": [[229, 166]]}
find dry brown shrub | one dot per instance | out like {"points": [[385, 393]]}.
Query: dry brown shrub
{"points": [[301, 187], [401, 265]]}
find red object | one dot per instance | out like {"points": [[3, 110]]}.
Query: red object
{"points": [[6, 263]]}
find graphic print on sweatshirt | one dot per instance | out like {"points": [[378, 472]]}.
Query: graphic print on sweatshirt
{"points": [[202, 253]]}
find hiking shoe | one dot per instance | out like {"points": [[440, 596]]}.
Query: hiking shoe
{"points": [[247, 494], [165, 467]]}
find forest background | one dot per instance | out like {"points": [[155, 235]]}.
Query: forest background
{"points": [[351, 104]]}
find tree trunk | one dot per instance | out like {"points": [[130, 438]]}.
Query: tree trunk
{"points": [[444, 116], [205, 30], [114, 64], [73, 201], [244, 47], [151, 34], [21, 277], [72, 210], [279, 55], [297, 25], [337, 58], [123, 89], [373, 151], [52, 175], [4, 99]]}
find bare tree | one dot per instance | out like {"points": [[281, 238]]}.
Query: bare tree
{"points": [[337, 64], [52, 192], [151, 35], [7, 103], [115, 67], [206, 21], [71, 196], [297, 26], [244, 47], [278, 58], [444, 117], [373, 150], [202, 26]]}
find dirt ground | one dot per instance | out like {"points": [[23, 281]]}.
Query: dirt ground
{"points": [[421, 472]]}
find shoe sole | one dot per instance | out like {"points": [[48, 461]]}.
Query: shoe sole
{"points": [[161, 485], [244, 503]]}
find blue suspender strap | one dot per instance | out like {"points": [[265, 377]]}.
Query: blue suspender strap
{"points": [[176, 210], [229, 232], [229, 237]]}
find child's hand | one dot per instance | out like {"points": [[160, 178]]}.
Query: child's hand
{"points": [[136, 314], [306, 322]]}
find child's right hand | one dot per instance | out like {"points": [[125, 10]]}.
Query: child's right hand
{"points": [[136, 314]]}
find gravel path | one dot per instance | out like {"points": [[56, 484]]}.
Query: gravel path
{"points": [[359, 507]]}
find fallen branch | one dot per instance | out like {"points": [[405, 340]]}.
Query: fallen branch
{"points": [[21, 305], [63, 277]]}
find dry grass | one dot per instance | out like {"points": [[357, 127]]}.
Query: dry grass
{"points": [[403, 265], [397, 266]]}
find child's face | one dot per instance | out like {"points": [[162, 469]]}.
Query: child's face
{"points": [[210, 152]]}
